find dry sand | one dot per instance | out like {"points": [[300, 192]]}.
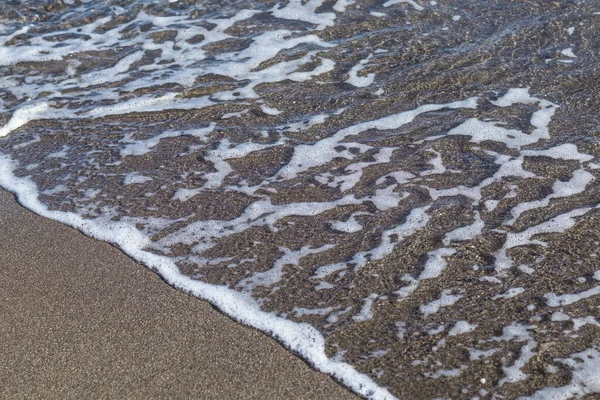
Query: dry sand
{"points": [[79, 319]]}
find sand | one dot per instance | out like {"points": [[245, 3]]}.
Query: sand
{"points": [[79, 319]]}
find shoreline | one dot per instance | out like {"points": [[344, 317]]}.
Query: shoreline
{"points": [[80, 318]]}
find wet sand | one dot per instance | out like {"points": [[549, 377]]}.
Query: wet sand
{"points": [[79, 319]]}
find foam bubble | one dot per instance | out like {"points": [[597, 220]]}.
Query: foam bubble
{"points": [[413, 3]]}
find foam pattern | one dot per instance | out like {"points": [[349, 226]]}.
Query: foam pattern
{"points": [[303, 177]]}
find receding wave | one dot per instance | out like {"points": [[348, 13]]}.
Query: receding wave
{"points": [[402, 192]]}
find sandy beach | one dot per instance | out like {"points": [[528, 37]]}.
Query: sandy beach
{"points": [[405, 192], [82, 320]]}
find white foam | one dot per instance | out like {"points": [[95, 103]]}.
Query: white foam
{"points": [[554, 300], [23, 115], [437, 164], [298, 337], [581, 179], [378, 353], [475, 354], [445, 372], [415, 221], [584, 378], [568, 52], [349, 226], [300, 312], [468, 232], [326, 270], [259, 213], [387, 198], [481, 131], [510, 293], [241, 66], [560, 223], [305, 125], [296, 10], [366, 312], [400, 177], [38, 50], [567, 151], [435, 264], [136, 147], [324, 286], [334, 316], [519, 333], [559, 316], [238, 114], [269, 110], [309, 156], [246, 67], [437, 330], [36, 138], [56, 189], [341, 5], [137, 105], [354, 172], [115, 73], [413, 3], [446, 299], [360, 81], [62, 153], [134, 177], [578, 323], [462, 327], [275, 274], [184, 194], [515, 96]]}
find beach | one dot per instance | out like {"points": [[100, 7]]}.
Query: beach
{"points": [[82, 320], [404, 194]]}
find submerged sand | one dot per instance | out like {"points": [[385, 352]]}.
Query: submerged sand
{"points": [[459, 248], [82, 320]]}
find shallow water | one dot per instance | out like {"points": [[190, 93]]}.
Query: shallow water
{"points": [[403, 192]]}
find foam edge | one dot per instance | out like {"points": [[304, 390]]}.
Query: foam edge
{"points": [[301, 338]]}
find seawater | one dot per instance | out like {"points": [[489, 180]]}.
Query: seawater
{"points": [[404, 193]]}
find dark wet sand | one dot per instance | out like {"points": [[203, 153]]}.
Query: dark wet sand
{"points": [[79, 319]]}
